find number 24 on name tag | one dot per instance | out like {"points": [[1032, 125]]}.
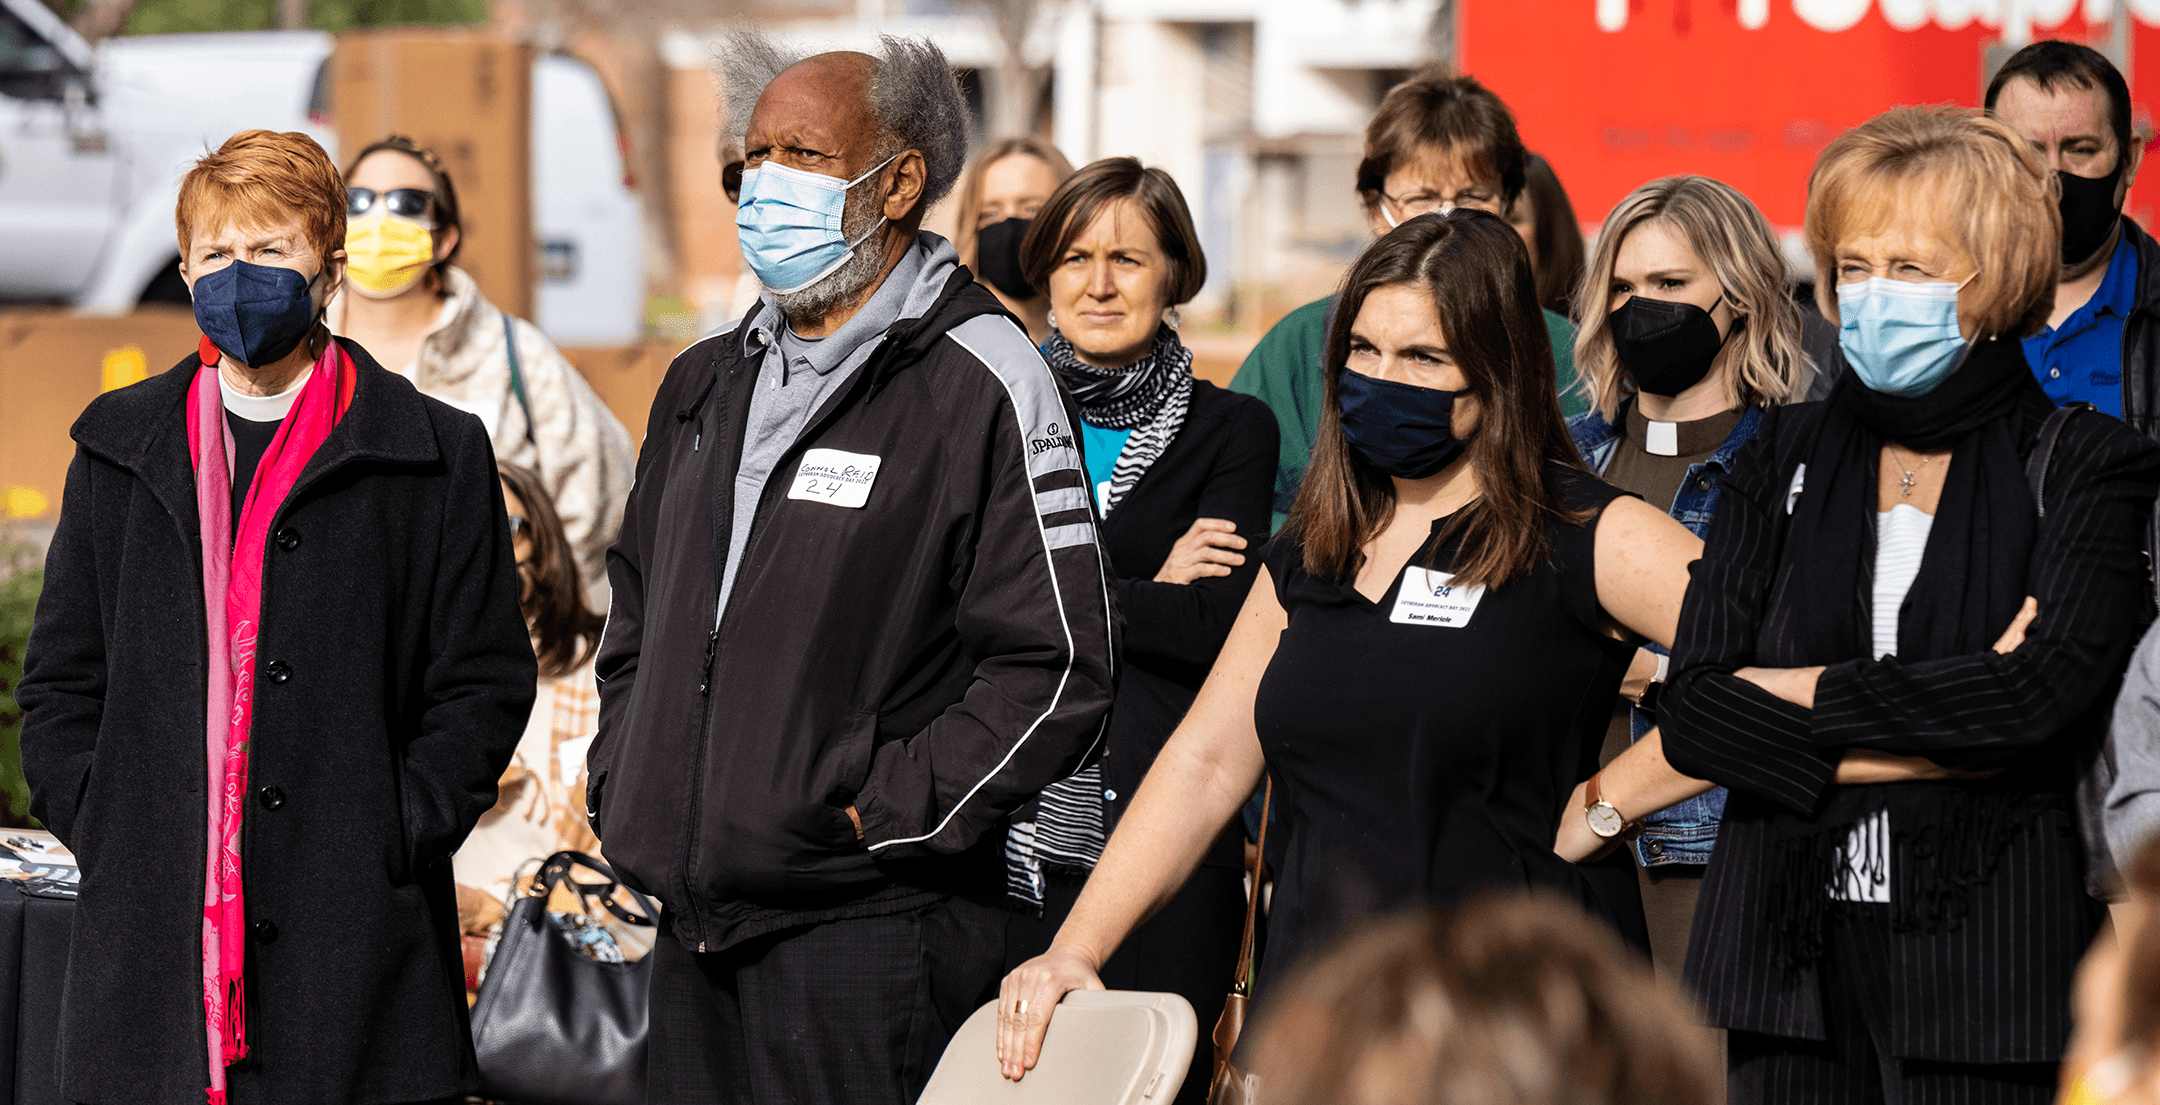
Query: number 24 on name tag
{"points": [[835, 477], [1431, 598]]}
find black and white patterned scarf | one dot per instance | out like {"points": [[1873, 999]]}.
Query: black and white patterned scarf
{"points": [[1150, 398]]}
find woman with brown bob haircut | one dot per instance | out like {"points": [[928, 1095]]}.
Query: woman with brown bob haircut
{"points": [[1181, 472], [1427, 659], [1883, 601]]}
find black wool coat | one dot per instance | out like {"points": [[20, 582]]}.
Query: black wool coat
{"points": [[394, 679]]}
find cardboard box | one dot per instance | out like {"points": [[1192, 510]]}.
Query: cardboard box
{"points": [[625, 377], [51, 366], [467, 96]]}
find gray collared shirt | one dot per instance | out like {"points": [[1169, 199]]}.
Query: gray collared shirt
{"points": [[794, 379]]}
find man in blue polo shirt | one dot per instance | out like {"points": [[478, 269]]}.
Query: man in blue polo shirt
{"points": [[2102, 341]]}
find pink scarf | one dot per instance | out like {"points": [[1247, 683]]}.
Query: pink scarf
{"points": [[232, 597]]}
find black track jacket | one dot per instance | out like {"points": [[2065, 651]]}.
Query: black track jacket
{"points": [[934, 656]]}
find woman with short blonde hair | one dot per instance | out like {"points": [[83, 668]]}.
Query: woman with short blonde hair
{"points": [[1882, 600]]}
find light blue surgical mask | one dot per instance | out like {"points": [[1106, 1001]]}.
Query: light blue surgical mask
{"points": [[1901, 337], [788, 224]]}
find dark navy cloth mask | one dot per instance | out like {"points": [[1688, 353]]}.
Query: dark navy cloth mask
{"points": [[1401, 429], [256, 314]]}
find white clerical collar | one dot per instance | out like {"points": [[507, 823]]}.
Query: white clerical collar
{"points": [[1661, 439], [263, 408]]}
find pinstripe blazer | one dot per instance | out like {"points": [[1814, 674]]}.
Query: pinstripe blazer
{"points": [[1993, 984]]}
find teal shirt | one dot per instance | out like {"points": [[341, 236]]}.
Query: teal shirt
{"points": [[1283, 371], [1101, 447]]}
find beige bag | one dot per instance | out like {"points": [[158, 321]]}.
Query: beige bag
{"points": [[1105, 1047], [1230, 1085]]}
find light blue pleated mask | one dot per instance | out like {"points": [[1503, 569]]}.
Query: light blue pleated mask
{"points": [[788, 224], [1900, 337]]}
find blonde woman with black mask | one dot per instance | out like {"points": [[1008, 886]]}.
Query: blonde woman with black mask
{"points": [[1688, 333]]}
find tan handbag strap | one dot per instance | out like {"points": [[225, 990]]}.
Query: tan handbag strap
{"points": [[1256, 871]]}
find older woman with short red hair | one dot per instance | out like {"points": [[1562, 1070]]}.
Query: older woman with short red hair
{"points": [[276, 670]]}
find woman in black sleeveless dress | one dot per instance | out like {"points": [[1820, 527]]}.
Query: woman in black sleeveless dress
{"points": [[1430, 655]]}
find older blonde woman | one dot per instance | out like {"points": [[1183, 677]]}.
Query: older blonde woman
{"points": [[1865, 608], [1688, 335]]}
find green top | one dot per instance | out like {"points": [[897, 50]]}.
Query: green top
{"points": [[1283, 372]]}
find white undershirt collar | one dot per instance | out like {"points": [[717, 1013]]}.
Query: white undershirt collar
{"points": [[263, 408]]}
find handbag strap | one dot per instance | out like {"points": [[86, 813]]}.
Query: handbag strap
{"points": [[2036, 466], [1255, 872], [517, 375], [556, 871]]}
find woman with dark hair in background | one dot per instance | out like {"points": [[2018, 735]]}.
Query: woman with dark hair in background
{"points": [[1546, 220], [540, 807], [1181, 471], [1424, 665], [1002, 189], [427, 321]]}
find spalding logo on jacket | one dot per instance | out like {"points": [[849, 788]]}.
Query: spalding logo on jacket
{"points": [[1052, 438]]}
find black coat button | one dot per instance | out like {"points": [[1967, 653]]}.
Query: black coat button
{"points": [[278, 671], [1703, 484], [288, 539], [271, 797], [1656, 849], [266, 931]]}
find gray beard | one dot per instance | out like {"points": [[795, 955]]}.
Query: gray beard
{"points": [[844, 284]]}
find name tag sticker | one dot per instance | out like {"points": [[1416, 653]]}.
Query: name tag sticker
{"points": [[835, 477], [1429, 598]]}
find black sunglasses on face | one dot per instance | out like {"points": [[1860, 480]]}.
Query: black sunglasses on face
{"points": [[405, 203]]}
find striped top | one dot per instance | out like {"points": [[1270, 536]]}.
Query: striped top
{"points": [[1901, 535]]}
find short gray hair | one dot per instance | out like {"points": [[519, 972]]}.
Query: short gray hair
{"points": [[914, 96]]}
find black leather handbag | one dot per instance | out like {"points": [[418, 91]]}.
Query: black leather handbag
{"points": [[551, 1026]]}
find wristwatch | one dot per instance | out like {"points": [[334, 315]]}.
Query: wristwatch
{"points": [[1604, 818]]}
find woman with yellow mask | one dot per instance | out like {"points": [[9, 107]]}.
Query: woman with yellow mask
{"points": [[426, 320]]}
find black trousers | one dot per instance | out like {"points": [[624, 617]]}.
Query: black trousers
{"points": [[1189, 949], [855, 1011], [1850, 1067]]}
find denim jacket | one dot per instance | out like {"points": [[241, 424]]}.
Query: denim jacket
{"points": [[1683, 833]]}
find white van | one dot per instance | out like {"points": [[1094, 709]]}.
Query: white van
{"points": [[93, 143]]}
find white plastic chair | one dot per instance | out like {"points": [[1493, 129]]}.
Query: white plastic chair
{"points": [[1105, 1047]]}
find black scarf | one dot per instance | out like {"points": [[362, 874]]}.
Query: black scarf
{"points": [[1150, 397], [1945, 840], [1973, 578]]}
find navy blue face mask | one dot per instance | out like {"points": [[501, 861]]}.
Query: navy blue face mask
{"points": [[1401, 429], [255, 313]]}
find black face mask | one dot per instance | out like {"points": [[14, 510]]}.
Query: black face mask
{"points": [[1401, 429], [1666, 347], [2088, 212], [997, 257]]}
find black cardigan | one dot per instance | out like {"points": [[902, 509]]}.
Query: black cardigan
{"points": [[1993, 985], [1221, 465]]}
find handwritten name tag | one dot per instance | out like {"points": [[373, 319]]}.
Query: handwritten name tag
{"points": [[835, 477], [1431, 598]]}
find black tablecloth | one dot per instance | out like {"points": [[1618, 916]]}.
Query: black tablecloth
{"points": [[33, 964]]}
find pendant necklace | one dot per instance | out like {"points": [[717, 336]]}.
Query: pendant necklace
{"points": [[1912, 475]]}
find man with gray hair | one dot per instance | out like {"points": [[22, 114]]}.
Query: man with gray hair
{"points": [[859, 613]]}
